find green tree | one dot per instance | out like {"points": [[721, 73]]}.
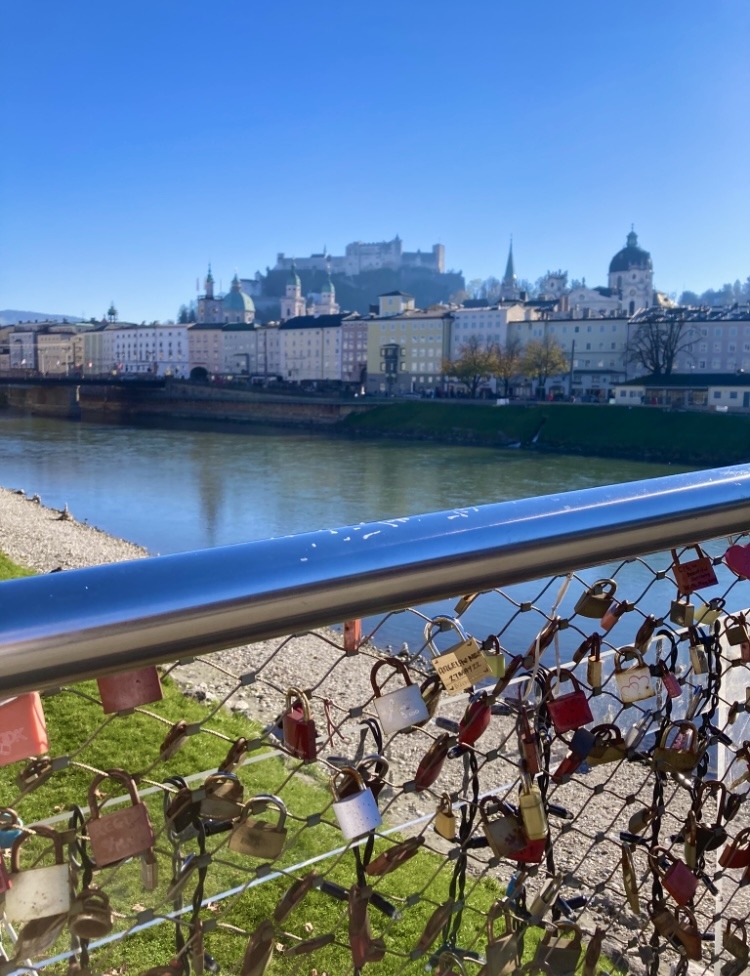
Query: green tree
{"points": [[542, 358], [507, 361], [475, 362]]}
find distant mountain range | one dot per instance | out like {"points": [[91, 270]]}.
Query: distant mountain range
{"points": [[10, 316]]}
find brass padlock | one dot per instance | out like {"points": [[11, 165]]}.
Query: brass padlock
{"points": [[174, 740], [91, 914], [594, 667], [681, 613], [259, 838], [736, 629], [533, 814], [223, 799], [597, 599], [445, 818]]}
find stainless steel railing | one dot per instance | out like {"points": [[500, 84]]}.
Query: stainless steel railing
{"points": [[68, 626]]}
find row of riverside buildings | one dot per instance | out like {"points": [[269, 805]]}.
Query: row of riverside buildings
{"points": [[398, 349]]}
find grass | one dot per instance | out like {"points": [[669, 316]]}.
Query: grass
{"points": [[78, 729]]}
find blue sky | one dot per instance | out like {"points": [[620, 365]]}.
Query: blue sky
{"points": [[144, 139]]}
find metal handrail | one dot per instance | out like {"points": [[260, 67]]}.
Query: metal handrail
{"points": [[64, 627]]}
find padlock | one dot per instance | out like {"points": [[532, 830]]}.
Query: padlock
{"points": [[503, 951], [372, 769], [677, 879], [174, 740], [235, 756], [736, 853], [560, 949], [400, 708], [91, 914], [679, 748], [259, 838], [609, 745], [445, 818], [224, 797], [633, 684], [11, 828], [122, 834], [431, 690], [736, 629], [708, 613], [475, 719], [502, 827], [570, 711], [697, 652], [23, 732], [38, 771], [734, 939], [431, 763], [149, 871], [614, 612], [449, 964], [494, 655], [595, 602], [594, 665], [37, 935], [678, 927], [641, 820], [129, 689], [532, 809], [669, 681], [38, 892], [544, 899], [694, 574], [299, 726], [682, 614], [581, 745], [358, 813], [463, 664], [690, 841], [629, 879], [645, 633], [529, 743]]}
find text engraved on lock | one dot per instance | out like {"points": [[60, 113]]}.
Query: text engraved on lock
{"points": [[119, 835], [461, 666], [9, 738]]}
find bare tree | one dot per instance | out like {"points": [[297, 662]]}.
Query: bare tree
{"points": [[543, 358], [507, 361], [474, 363], [658, 339]]}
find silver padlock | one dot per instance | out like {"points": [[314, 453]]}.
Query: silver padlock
{"points": [[357, 813]]}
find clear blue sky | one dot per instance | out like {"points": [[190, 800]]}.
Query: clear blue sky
{"points": [[143, 139]]}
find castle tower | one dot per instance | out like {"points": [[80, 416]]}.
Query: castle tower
{"points": [[293, 304], [327, 302]]}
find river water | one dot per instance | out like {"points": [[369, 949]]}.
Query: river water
{"points": [[172, 490]]}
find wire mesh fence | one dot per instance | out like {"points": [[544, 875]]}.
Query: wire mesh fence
{"points": [[565, 793]]}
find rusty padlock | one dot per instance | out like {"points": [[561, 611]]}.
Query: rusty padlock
{"points": [[122, 834], [91, 914], [129, 689], [299, 726], [259, 838]]}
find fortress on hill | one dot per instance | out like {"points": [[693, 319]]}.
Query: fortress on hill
{"points": [[359, 257]]}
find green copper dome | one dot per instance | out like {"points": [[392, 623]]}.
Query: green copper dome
{"points": [[237, 300]]}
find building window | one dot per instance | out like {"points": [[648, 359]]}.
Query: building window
{"points": [[717, 394], [733, 395]]}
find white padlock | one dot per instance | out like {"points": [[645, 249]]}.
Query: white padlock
{"points": [[38, 892], [401, 708], [358, 812]]}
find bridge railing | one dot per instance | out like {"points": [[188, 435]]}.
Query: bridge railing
{"points": [[245, 630]]}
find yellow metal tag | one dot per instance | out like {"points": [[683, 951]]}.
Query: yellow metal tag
{"points": [[461, 666]]}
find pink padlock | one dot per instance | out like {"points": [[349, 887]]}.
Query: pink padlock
{"points": [[23, 732], [129, 689], [677, 879]]}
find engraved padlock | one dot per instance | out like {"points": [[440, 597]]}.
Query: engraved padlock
{"points": [[259, 838], [129, 689], [462, 665], [570, 711], [357, 814], [595, 602], [122, 834], [693, 574], [23, 732], [299, 726], [533, 814], [38, 892], [494, 655], [634, 683], [224, 797], [401, 708], [445, 818], [91, 915]]}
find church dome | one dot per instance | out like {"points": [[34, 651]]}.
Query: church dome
{"points": [[631, 256], [237, 300]]}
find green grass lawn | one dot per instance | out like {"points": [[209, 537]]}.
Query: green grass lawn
{"points": [[78, 729]]}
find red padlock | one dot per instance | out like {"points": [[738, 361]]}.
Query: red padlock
{"points": [[571, 711], [475, 720], [432, 762], [122, 834], [23, 732], [129, 689], [736, 854], [299, 726], [677, 879]]}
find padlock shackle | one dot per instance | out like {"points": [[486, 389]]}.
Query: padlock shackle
{"points": [[388, 662], [301, 697], [265, 798], [38, 831], [355, 775], [628, 652], [452, 624], [121, 776], [375, 759]]}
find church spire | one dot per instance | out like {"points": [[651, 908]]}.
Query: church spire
{"points": [[209, 283], [509, 279]]}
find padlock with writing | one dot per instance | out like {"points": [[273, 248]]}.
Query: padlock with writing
{"points": [[597, 599], [122, 834], [402, 707], [494, 655], [674, 874], [569, 711], [129, 689], [259, 838], [445, 818], [224, 797], [463, 664], [23, 732], [533, 814], [502, 826], [693, 574], [475, 719], [634, 683], [299, 727], [38, 892], [681, 614], [357, 814], [736, 630]]}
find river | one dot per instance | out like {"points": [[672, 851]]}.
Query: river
{"points": [[171, 490]]}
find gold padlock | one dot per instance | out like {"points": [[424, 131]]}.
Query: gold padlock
{"points": [[259, 838], [681, 613], [223, 799], [736, 629], [532, 810], [597, 599], [445, 819]]}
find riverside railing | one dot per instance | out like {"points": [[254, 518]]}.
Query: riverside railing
{"points": [[59, 629]]}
